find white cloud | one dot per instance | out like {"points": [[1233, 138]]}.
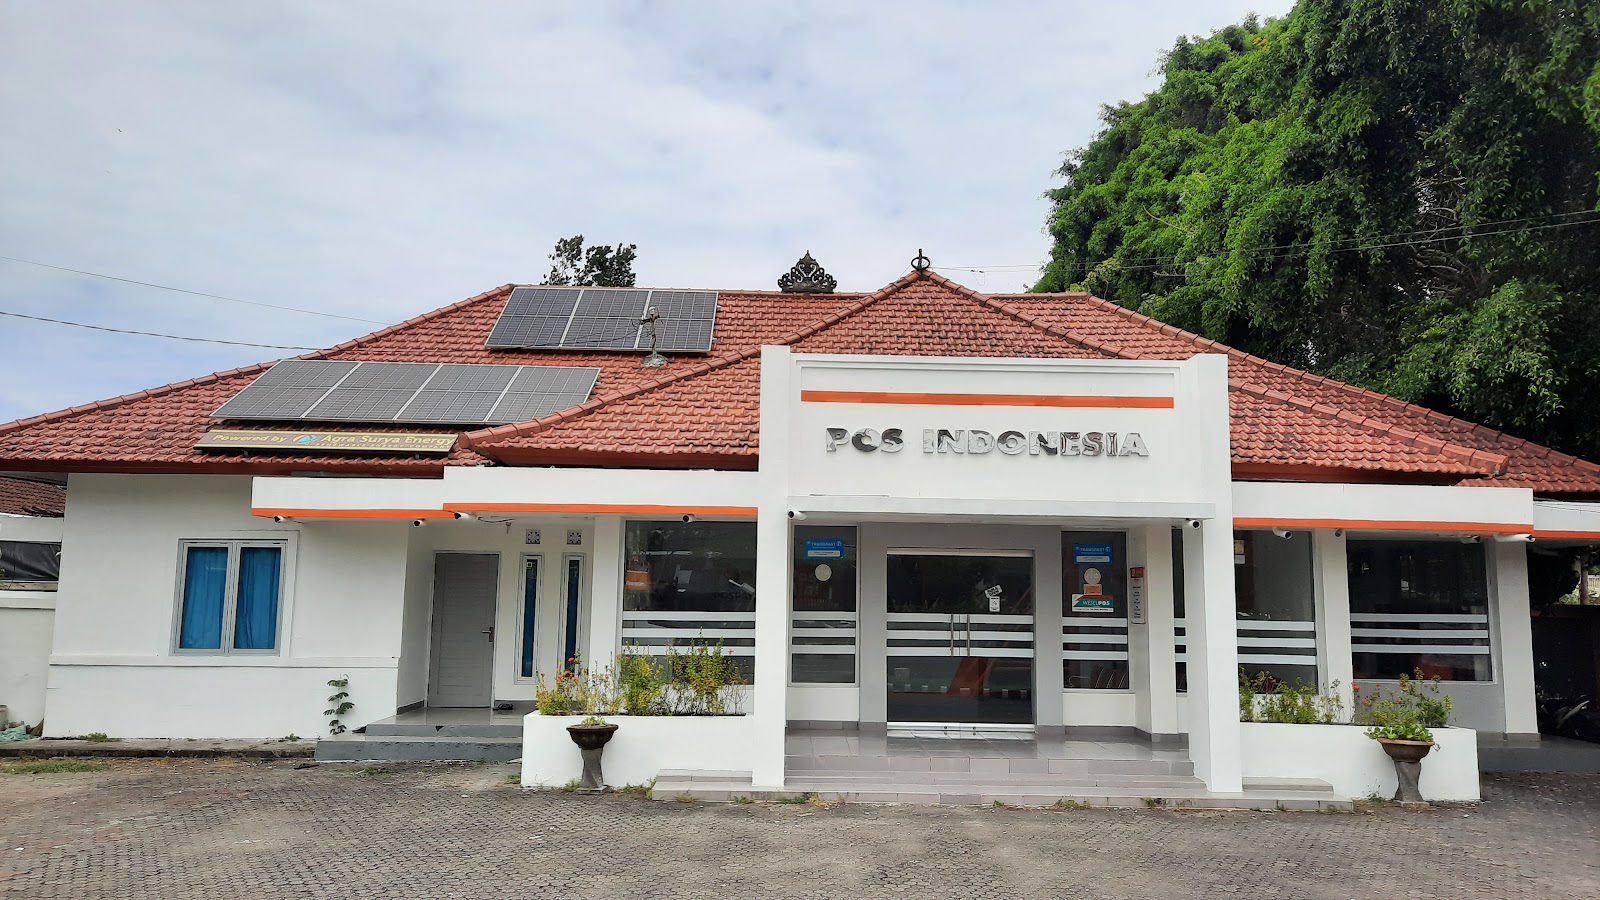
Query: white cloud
{"points": [[381, 159]]}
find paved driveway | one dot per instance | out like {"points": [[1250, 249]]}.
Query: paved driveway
{"points": [[218, 829]]}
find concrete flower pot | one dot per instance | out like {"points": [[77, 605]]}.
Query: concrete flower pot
{"points": [[591, 741], [1407, 756]]}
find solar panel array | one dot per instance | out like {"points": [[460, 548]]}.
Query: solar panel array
{"points": [[571, 318], [322, 390]]}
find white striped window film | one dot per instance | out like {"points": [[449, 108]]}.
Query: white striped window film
{"points": [[1450, 644], [1264, 644], [990, 635], [818, 634], [652, 631], [1096, 639]]}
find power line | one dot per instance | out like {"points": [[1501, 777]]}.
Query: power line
{"points": [[175, 337], [164, 287], [1332, 246]]}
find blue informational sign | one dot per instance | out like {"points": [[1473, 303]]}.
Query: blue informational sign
{"points": [[825, 548], [1091, 553]]}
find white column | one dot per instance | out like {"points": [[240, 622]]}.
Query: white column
{"points": [[769, 702], [1209, 604], [1511, 631], [1213, 653], [1048, 678], [1331, 587], [1152, 663], [605, 592]]}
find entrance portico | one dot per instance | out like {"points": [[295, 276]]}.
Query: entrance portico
{"points": [[962, 542]]}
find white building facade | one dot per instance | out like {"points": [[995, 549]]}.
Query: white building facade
{"points": [[969, 543]]}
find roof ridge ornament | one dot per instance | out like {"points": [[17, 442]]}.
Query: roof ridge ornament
{"points": [[920, 262], [807, 277]]}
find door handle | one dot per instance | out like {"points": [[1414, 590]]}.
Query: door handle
{"points": [[952, 634], [490, 633]]}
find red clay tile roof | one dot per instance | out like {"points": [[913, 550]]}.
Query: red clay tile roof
{"points": [[22, 497], [701, 410]]}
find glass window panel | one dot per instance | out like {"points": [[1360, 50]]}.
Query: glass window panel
{"points": [[1094, 575], [824, 582], [205, 587], [1177, 602], [256, 615], [29, 562], [574, 587], [1424, 580], [530, 602], [692, 567], [1273, 582]]}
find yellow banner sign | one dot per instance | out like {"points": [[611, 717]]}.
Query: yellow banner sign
{"points": [[326, 441]]}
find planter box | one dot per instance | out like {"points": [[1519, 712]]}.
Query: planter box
{"points": [[641, 748], [1355, 764]]}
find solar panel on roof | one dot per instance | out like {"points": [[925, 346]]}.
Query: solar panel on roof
{"points": [[605, 319], [430, 393], [287, 389]]}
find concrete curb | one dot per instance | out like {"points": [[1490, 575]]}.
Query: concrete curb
{"points": [[137, 749]]}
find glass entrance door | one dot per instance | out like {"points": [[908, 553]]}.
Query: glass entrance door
{"points": [[960, 643]]}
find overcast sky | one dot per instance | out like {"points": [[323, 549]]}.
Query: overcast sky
{"points": [[377, 160]]}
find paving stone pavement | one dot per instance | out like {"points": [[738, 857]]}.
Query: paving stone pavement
{"points": [[218, 829]]}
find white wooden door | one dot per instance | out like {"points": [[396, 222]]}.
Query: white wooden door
{"points": [[464, 588]]}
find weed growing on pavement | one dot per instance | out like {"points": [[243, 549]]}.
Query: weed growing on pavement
{"points": [[570, 786], [96, 737], [371, 771], [1153, 802], [742, 800], [338, 705], [638, 790], [685, 797], [53, 767], [1064, 803], [290, 737], [514, 778]]}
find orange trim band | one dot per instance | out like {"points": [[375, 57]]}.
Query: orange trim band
{"points": [[1568, 535], [920, 399], [1383, 525], [268, 513], [636, 509]]}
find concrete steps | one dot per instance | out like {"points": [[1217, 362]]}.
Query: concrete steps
{"points": [[979, 789], [417, 748]]}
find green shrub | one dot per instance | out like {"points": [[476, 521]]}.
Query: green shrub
{"points": [[1267, 699]]}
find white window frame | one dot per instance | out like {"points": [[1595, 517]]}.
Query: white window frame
{"points": [[522, 612], [230, 597]]}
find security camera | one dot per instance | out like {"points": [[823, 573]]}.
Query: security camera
{"points": [[1471, 539], [281, 519], [1514, 538], [797, 515], [418, 523], [463, 517], [688, 518], [1283, 533], [1193, 523]]}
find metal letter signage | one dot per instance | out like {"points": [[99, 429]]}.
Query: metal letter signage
{"points": [[974, 442]]}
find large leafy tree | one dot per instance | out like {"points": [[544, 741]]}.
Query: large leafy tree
{"points": [[1397, 193], [600, 265]]}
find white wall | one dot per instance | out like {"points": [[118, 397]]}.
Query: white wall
{"points": [[417, 620], [113, 668], [1354, 764], [26, 625]]}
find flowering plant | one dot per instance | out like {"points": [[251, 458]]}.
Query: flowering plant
{"points": [[1407, 714]]}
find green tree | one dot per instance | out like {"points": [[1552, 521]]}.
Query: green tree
{"points": [[1397, 193], [572, 263]]}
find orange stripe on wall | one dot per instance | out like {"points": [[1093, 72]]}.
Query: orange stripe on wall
{"points": [[606, 509], [352, 513], [1383, 525], [1568, 535], [919, 399]]}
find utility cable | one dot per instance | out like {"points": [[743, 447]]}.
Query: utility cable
{"points": [[174, 337], [163, 287]]}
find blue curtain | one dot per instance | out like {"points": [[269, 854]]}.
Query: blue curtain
{"points": [[530, 599], [255, 624], [205, 582]]}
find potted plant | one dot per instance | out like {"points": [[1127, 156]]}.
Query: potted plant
{"points": [[591, 735], [1400, 723]]}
